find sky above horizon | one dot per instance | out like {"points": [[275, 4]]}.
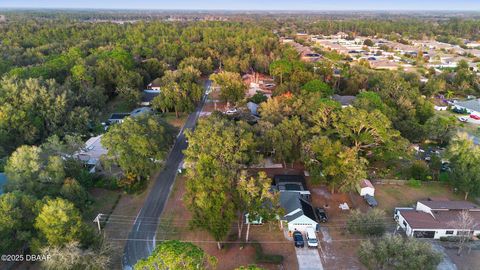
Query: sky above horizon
{"points": [[467, 5]]}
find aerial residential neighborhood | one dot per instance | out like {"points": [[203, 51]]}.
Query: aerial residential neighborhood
{"points": [[258, 135]]}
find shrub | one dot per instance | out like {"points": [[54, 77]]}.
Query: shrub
{"points": [[258, 98], [443, 177], [370, 223], [414, 183], [395, 252], [261, 257], [107, 182], [419, 170]]}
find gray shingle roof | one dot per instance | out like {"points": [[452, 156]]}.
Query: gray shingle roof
{"points": [[291, 201], [473, 105]]}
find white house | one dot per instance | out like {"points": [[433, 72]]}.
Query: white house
{"points": [[366, 188], [91, 153], [295, 200], [154, 85], [436, 219], [300, 214]]}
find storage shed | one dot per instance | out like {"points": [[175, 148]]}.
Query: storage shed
{"points": [[366, 188]]}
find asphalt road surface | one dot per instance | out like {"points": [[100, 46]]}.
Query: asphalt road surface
{"points": [[141, 239]]}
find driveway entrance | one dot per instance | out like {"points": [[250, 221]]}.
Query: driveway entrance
{"points": [[308, 259]]}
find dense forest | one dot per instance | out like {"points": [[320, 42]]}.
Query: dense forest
{"points": [[58, 75]]}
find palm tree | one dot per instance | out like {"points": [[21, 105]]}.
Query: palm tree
{"points": [[449, 94]]}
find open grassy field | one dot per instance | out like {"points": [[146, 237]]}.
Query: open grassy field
{"points": [[391, 196]]}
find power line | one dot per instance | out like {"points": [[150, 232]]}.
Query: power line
{"points": [[241, 242]]}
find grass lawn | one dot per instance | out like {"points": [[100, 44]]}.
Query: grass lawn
{"points": [[116, 105], [103, 202], [391, 196], [173, 120]]}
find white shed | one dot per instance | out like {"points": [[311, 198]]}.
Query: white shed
{"points": [[366, 187]]}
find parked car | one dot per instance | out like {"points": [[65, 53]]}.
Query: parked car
{"points": [[231, 111], [460, 111], [298, 238], [473, 116], [321, 214], [311, 238], [463, 119], [370, 200], [445, 167]]}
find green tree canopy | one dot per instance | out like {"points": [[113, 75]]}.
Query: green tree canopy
{"points": [[31, 172], [395, 252], [371, 223], [464, 158], [257, 199], [330, 161], [59, 222], [318, 86], [138, 144], [232, 88], [16, 221], [176, 255]]}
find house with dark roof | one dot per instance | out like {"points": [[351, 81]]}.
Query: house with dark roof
{"points": [[148, 95], [117, 118], [295, 200], [436, 219], [299, 213]]}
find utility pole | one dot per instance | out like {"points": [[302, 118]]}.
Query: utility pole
{"points": [[97, 220]]}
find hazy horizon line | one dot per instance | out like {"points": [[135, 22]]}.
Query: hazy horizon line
{"points": [[241, 10]]}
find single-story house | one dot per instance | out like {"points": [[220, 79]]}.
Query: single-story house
{"points": [[141, 111], [91, 153], [366, 188], [472, 106], [117, 118], [148, 95], [300, 214], [154, 85], [436, 219], [295, 199], [344, 100]]}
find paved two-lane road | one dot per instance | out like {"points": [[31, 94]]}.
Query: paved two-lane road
{"points": [[141, 239]]}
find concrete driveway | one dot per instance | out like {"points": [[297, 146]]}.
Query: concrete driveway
{"points": [[308, 259]]}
